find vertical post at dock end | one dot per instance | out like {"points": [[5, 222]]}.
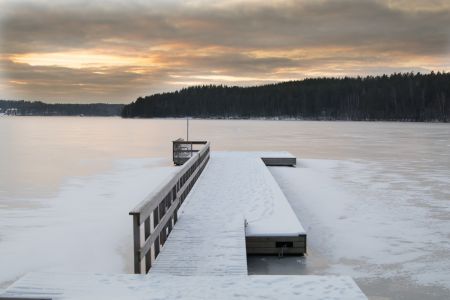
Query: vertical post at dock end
{"points": [[137, 243]]}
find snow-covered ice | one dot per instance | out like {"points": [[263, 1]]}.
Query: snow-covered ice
{"points": [[84, 228], [374, 220]]}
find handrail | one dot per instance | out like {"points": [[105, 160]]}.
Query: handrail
{"points": [[159, 210]]}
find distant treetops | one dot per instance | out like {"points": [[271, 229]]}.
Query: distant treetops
{"points": [[400, 97], [38, 108]]}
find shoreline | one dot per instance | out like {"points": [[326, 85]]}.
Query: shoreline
{"points": [[240, 119]]}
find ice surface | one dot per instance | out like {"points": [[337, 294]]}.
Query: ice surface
{"points": [[374, 219], [85, 228]]}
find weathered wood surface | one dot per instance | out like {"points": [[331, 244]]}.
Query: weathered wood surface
{"points": [[276, 245], [280, 161]]}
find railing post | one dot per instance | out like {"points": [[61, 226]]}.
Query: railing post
{"points": [[137, 244], [170, 224], [163, 235], [148, 255], [155, 223]]}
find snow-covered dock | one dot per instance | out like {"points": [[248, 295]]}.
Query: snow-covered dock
{"points": [[236, 188], [235, 208]]}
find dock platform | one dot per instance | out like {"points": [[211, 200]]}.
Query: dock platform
{"points": [[235, 208]]}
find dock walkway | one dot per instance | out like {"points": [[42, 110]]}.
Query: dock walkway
{"points": [[209, 238], [205, 256]]}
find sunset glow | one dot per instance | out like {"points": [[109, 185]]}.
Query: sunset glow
{"points": [[77, 60], [125, 49]]}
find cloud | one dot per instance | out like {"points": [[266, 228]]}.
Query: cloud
{"points": [[124, 48]]}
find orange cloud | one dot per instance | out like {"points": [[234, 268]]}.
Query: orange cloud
{"points": [[77, 59]]}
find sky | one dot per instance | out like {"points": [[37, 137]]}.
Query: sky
{"points": [[82, 51]]}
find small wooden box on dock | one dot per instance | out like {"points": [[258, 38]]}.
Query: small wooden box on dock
{"points": [[184, 150], [276, 245]]}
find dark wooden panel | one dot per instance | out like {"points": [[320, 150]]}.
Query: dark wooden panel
{"points": [[279, 161], [295, 245], [275, 238], [272, 244], [276, 251]]}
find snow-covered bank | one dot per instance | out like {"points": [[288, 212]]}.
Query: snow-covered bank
{"points": [[384, 220], [85, 228]]}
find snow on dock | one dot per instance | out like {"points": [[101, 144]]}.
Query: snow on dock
{"points": [[128, 286], [209, 238], [203, 238], [267, 210]]}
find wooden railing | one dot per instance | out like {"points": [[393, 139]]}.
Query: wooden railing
{"points": [[155, 216]]}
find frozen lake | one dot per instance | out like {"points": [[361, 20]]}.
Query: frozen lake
{"points": [[373, 197]]}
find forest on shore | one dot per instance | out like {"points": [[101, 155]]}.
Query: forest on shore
{"points": [[396, 97], [38, 108]]}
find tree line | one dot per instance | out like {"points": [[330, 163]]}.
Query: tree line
{"points": [[38, 108], [397, 97]]}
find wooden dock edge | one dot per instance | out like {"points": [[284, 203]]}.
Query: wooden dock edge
{"points": [[279, 161], [276, 245]]}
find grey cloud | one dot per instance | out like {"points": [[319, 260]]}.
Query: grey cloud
{"points": [[79, 85], [352, 23]]}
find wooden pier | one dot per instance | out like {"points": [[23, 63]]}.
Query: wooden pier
{"points": [[192, 236]]}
